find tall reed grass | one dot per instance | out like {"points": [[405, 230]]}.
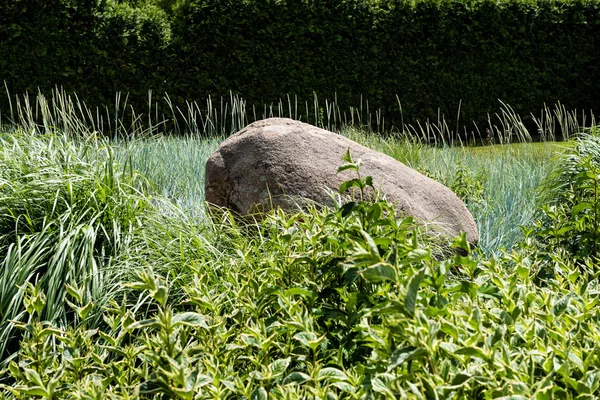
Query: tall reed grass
{"points": [[221, 117], [71, 214]]}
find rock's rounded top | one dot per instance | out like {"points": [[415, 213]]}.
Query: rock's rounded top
{"points": [[276, 161]]}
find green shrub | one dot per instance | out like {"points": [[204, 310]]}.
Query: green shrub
{"points": [[570, 201], [48, 43], [94, 48], [68, 212], [337, 303], [435, 56], [352, 301], [132, 48]]}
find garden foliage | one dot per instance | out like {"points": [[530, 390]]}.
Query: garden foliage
{"points": [[67, 212], [352, 301], [570, 197], [433, 54]]}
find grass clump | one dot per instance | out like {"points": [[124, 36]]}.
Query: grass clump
{"points": [[67, 212], [570, 201], [175, 166]]}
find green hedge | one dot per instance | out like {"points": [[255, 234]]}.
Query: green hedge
{"points": [[94, 48], [432, 54], [46, 42]]}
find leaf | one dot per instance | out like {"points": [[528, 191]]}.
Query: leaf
{"points": [[33, 376], [309, 339], [347, 157], [449, 347], [85, 310], [372, 245], [592, 380], [472, 351], [304, 338], [259, 394], [351, 275], [74, 293], [160, 295], [50, 331], [561, 305], [585, 176], [459, 380], [348, 208], [278, 367], [146, 323], [344, 387], [404, 354], [380, 272], [417, 255], [332, 374], [490, 290], [109, 339], [296, 377], [449, 329], [300, 292], [430, 393], [250, 340], [413, 288], [202, 380], [462, 243], [346, 167], [580, 207], [381, 384], [350, 183], [140, 285], [190, 319], [575, 359], [34, 391], [586, 397]]}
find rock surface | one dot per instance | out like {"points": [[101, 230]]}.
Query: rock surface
{"points": [[276, 161]]}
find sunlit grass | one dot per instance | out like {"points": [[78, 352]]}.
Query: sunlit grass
{"points": [[512, 173], [114, 275], [174, 165]]}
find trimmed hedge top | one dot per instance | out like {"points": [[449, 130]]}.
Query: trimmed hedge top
{"points": [[434, 56]]}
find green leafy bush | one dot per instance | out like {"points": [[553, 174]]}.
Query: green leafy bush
{"points": [[435, 56], [348, 302], [570, 201], [48, 43], [133, 43], [328, 305], [67, 213], [95, 48]]}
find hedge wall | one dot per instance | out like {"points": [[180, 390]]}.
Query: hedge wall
{"points": [[94, 48], [432, 54]]}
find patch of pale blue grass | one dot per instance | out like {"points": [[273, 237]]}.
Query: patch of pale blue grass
{"points": [[510, 202], [175, 165], [512, 174]]}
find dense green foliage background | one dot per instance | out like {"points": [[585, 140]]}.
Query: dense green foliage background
{"points": [[433, 54]]}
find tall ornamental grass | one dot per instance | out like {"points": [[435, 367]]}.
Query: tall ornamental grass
{"points": [[67, 212], [175, 165]]}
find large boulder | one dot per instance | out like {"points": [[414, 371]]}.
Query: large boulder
{"points": [[276, 161]]}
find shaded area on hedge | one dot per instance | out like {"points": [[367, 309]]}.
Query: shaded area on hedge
{"points": [[434, 55]]}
